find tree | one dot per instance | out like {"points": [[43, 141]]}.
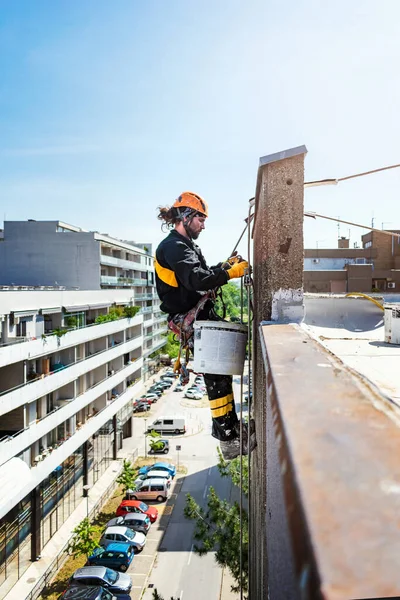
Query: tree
{"points": [[83, 541], [127, 476], [172, 345], [217, 528], [155, 443], [231, 298]]}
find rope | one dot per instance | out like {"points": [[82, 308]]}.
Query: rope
{"points": [[336, 181], [313, 215]]}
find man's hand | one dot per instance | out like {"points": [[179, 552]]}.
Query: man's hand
{"points": [[238, 269]]}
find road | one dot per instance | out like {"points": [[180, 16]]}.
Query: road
{"points": [[177, 570]]}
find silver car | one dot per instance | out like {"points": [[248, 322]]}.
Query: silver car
{"points": [[123, 534], [136, 521]]}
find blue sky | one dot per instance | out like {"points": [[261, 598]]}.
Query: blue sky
{"points": [[109, 109]]}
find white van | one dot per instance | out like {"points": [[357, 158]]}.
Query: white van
{"points": [[168, 425], [151, 489]]}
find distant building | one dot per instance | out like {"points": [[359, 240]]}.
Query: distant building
{"points": [[54, 253], [375, 266]]}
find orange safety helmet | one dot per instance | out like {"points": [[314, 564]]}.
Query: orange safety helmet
{"points": [[191, 200]]}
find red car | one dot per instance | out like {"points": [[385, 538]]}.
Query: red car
{"points": [[129, 506]]}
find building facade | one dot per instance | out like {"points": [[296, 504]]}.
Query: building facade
{"points": [[373, 267], [71, 364]]}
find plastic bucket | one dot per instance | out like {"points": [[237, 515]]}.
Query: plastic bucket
{"points": [[219, 347]]}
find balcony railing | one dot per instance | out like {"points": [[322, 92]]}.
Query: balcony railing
{"points": [[14, 444], [113, 261], [34, 348], [145, 297], [121, 281], [15, 397]]}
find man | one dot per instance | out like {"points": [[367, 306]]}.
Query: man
{"points": [[184, 282]]}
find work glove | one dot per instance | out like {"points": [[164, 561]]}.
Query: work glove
{"points": [[238, 269]]}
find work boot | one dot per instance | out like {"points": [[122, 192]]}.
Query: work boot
{"points": [[231, 448]]}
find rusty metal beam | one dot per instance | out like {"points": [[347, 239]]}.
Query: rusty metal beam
{"points": [[333, 494]]}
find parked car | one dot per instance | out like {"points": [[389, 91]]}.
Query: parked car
{"points": [[171, 373], [162, 448], [168, 425], [117, 555], [135, 521], [163, 385], [123, 534], [168, 381], [141, 406], [116, 583], [193, 395], [150, 397], [155, 390], [197, 388], [199, 379], [160, 466], [86, 592], [163, 474], [156, 488], [178, 388], [132, 506]]}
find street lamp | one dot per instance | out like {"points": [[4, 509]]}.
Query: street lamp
{"points": [[86, 489], [145, 438]]}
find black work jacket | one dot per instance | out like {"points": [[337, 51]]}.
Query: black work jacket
{"points": [[182, 273]]}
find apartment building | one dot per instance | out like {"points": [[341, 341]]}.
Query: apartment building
{"points": [[373, 267], [71, 363], [53, 253]]}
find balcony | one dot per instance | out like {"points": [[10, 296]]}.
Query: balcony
{"points": [[53, 460], [113, 261], [146, 309], [15, 445], [146, 297], [35, 348], [154, 347], [121, 281], [28, 392]]}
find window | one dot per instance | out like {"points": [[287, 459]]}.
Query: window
{"points": [[157, 488], [119, 537], [168, 422], [144, 488], [369, 244]]}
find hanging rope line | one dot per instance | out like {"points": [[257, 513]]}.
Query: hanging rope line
{"points": [[314, 215], [336, 181]]}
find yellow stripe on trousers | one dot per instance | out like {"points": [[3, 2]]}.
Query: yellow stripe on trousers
{"points": [[220, 412], [218, 402]]}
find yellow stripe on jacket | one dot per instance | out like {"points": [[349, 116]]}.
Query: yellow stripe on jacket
{"points": [[166, 275]]}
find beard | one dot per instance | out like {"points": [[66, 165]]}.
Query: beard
{"points": [[193, 234]]}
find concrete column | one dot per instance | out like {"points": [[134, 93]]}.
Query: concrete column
{"points": [[35, 524], [278, 236], [115, 442], [278, 296], [85, 475], [25, 370]]}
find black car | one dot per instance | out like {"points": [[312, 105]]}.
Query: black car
{"points": [[86, 592], [141, 407], [155, 390]]}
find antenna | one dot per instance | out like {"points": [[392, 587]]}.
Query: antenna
{"points": [[338, 227]]}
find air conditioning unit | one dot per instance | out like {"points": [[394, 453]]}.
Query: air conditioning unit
{"points": [[391, 285], [315, 260], [392, 323]]}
